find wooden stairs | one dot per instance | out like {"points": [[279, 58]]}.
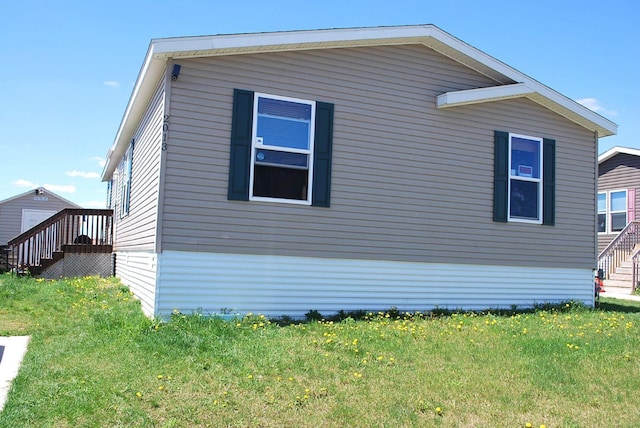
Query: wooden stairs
{"points": [[619, 262], [621, 280], [73, 242]]}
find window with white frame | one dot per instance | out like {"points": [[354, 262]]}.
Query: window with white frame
{"points": [[618, 210], [282, 149], [602, 212], [612, 211], [525, 179], [124, 181]]}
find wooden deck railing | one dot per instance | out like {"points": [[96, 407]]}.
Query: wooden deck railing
{"points": [[620, 249], [75, 229], [635, 270]]}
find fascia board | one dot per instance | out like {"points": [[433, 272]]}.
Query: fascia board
{"points": [[617, 150], [148, 76], [556, 102], [289, 39], [604, 126], [481, 95]]}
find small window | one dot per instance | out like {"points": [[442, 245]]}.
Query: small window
{"points": [[109, 193], [525, 180], [124, 181], [602, 212], [282, 149]]}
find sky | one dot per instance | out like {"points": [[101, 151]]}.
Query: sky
{"points": [[68, 67]]}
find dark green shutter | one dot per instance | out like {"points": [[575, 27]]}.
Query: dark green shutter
{"points": [[322, 155], [548, 182], [240, 154], [501, 176]]}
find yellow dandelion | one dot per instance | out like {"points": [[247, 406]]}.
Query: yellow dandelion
{"points": [[138, 394], [159, 376], [438, 410]]}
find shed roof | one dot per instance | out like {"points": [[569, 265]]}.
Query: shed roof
{"points": [[510, 83], [43, 191]]}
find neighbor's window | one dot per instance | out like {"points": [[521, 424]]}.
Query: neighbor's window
{"points": [[618, 210], [612, 211], [282, 149], [602, 212], [525, 180]]}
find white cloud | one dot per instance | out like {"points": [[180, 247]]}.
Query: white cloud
{"points": [[94, 204], [112, 83], [25, 183], [99, 160], [61, 188], [83, 174], [595, 105]]}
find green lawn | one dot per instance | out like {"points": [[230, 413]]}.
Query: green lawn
{"points": [[95, 361]]}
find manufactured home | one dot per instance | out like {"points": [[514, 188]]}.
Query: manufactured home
{"points": [[618, 228], [347, 169]]}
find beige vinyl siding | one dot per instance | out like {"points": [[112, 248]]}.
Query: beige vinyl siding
{"points": [[410, 182], [622, 171], [137, 231], [11, 211]]}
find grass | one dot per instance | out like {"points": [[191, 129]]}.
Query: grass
{"points": [[95, 361]]}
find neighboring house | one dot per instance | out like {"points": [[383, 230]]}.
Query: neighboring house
{"points": [[618, 181], [22, 212], [349, 169]]}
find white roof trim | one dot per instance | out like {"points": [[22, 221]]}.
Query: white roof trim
{"points": [[481, 95], [542, 95], [511, 83], [616, 151]]}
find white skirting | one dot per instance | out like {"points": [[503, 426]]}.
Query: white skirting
{"points": [[275, 285]]}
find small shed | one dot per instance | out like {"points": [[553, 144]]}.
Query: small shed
{"points": [[21, 212]]}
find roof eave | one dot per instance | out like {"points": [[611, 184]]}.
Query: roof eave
{"points": [[618, 150], [150, 72], [540, 94], [160, 50]]}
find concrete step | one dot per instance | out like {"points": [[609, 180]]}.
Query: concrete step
{"points": [[616, 283], [618, 287], [616, 290], [625, 270], [620, 277]]}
